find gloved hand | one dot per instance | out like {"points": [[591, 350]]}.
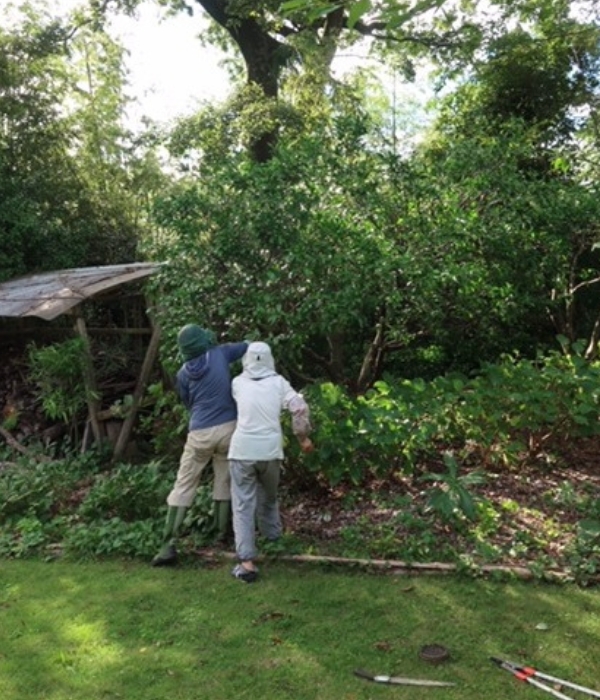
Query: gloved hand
{"points": [[306, 445]]}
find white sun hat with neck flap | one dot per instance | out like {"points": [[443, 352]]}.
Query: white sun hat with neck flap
{"points": [[258, 361]]}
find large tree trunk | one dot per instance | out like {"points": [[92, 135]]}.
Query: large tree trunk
{"points": [[263, 55]]}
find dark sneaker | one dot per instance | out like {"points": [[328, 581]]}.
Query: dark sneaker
{"points": [[244, 574], [166, 557]]}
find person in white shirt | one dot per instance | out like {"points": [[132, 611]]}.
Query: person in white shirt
{"points": [[256, 451]]}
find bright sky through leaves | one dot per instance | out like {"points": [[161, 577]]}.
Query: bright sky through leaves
{"points": [[170, 71]]}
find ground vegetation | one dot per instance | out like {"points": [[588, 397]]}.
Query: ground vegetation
{"points": [[475, 479]]}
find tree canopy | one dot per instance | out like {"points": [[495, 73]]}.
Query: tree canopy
{"points": [[68, 166], [290, 212]]}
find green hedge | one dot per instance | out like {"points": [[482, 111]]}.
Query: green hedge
{"points": [[504, 415]]}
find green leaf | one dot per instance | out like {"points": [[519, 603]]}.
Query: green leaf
{"points": [[357, 10], [293, 5], [322, 10], [590, 527], [396, 20]]}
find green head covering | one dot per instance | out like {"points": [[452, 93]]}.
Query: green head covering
{"points": [[193, 341]]}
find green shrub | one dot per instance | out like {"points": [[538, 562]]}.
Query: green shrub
{"points": [[26, 537], [57, 503], [128, 492], [505, 415], [451, 497], [510, 411], [114, 537], [58, 371], [40, 489], [166, 422], [584, 554], [199, 518]]}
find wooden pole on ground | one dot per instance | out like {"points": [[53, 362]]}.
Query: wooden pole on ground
{"points": [[400, 567]]}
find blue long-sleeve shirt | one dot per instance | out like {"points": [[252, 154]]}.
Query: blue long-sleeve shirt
{"points": [[204, 386]]}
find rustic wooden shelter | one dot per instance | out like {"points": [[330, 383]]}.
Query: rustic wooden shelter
{"points": [[49, 295]]}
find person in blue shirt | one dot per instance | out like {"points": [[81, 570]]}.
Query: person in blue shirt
{"points": [[204, 386]]}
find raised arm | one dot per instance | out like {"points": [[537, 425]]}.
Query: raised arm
{"points": [[300, 412]]}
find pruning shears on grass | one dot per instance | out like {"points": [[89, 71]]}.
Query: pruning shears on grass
{"points": [[399, 680], [530, 675]]}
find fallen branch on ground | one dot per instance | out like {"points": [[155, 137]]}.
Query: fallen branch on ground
{"points": [[406, 568], [16, 445]]}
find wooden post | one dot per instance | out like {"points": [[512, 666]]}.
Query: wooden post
{"points": [[89, 378], [127, 426]]}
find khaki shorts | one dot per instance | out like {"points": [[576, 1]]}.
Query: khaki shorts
{"points": [[201, 447]]}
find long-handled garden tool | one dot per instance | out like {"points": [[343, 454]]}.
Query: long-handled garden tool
{"points": [[530, 675], [399, 680]]}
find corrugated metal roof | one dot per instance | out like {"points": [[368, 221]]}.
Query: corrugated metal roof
{"points": [[50, 294]]}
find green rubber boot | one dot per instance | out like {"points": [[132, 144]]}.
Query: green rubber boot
{"points": [[222, 526], [168, 553]]}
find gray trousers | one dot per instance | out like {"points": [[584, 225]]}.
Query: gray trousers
{"points": [[254, 502]]}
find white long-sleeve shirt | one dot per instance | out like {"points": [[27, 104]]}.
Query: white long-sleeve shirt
{"points": [[261, 395]]}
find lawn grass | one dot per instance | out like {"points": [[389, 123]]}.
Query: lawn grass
{"points": [[122, 630]]}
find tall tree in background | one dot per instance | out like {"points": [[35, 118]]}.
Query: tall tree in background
{"points": [[273, 37], [33, 144], [529, 103], [356, 260], [67, 166]]}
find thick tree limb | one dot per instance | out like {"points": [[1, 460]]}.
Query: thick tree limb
{"points": [[264, 57], [372, 361], [263, 54]]}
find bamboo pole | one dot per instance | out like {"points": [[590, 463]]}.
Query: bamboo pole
{"points": [[401, 567], [127, 427], [89, 378]]}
